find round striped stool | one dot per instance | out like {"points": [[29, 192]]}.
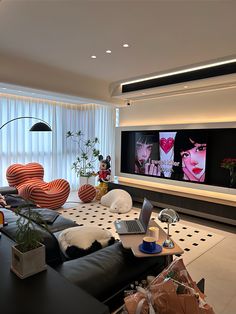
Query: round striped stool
{"points": [[86, 193]]}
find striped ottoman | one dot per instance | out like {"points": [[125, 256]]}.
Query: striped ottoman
{"points": [[86, 193]]}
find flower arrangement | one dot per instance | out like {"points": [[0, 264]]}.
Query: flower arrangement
{"points": [[87, 154], [229, 163]]}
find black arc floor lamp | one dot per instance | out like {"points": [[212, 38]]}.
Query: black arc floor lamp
{"points": [[41, 126]]}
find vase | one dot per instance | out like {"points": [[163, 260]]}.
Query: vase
{"points": [[232, 174], [86, 180]]}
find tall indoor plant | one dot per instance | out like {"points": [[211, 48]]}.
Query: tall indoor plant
{"points": [[87, 155], [28, 255]]}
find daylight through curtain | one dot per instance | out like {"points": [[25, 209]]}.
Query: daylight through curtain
{"points": [[52, 149]]}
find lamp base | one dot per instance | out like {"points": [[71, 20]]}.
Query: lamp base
{"points": [[168, 244]]}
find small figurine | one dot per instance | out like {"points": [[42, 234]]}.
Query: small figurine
{"points": [[104, 175], [104, 172]]}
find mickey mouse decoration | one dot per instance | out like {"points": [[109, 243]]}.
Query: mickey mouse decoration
{"points": [[104, 172]]}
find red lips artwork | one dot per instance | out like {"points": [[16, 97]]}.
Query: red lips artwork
{"points": [[166, 144]]}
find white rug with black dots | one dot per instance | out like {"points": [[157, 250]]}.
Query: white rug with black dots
{"points": [[194, 241]]}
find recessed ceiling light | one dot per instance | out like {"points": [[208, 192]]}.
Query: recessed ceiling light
{"points": [[19, 91], [126, 45], [93, 57], [108, 51], [4, 88], [143, 93], [185, 86]]}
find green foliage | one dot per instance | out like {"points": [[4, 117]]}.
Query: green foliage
{"points": [[87, 154], [229, 163], [27, 235]]}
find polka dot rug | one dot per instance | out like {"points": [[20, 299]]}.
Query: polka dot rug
{"points": [[194, 241]]}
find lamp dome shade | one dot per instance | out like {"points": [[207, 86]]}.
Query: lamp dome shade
{"points": [[40, 126], [168, 215]]}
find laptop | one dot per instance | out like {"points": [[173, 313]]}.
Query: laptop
{"points": [[136, 226]]}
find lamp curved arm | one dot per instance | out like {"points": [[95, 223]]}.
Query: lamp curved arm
{"points": [[44, 122]]}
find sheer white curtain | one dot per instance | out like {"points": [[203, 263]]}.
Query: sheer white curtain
{"points": [[52, 149]]}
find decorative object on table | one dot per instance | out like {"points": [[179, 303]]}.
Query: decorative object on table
{"points": [[80, 241], [150, 246], [104, 175], [28, 256], [169, 216], [87, 193], [230, 164], [28, 179], [173, 291], [86, 159], [41, 126], [118, 200], [153, 232], [1, 221]]}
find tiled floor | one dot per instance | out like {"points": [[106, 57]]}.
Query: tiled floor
{"points": [[217, 265]]}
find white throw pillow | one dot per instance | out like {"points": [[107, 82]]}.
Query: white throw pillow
{"points": [[118, 200], [79, 241]]}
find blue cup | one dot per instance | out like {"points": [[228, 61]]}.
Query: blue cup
{"points": [[149, 244]]}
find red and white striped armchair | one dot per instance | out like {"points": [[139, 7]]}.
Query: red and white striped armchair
{"points": [[28, 179]]}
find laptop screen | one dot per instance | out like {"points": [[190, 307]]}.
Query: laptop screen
{"points": [[145, 213]]}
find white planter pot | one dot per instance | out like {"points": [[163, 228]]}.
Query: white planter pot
{"points": [[87, 180], [28, 263]]}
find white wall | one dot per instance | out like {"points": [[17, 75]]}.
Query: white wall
{"points": [[209, 109], [214, 106]]}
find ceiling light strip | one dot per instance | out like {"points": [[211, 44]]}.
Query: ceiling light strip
{"points": [[181, 71]]}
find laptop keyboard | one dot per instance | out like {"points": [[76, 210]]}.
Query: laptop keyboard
{"points": [[132, 226]]}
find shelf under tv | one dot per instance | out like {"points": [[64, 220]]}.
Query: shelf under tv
{"points": [[206, 204]]}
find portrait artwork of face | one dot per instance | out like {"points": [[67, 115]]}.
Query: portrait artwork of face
{"points": [[194, 162], [146, 154], [190, 152], [143, 152]]}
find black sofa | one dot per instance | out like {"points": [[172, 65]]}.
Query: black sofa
{"points": [[104, 274]]}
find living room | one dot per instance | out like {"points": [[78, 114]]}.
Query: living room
{"points": [[65, 62]]}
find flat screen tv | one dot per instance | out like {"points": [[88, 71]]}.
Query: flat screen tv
{"points": [[193, 155]]}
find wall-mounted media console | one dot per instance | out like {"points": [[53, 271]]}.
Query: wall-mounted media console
{"points": [[192, 155]]}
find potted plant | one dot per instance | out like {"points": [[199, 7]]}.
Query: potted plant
{"points": [[28, 255], [87, 154], [230, 164]]}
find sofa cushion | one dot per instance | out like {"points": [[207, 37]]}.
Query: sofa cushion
{"points": [[107, 272], [15, 200], [8, 189], [80, 241], [53, 252]]}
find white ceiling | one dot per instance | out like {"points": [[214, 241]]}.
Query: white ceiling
{"points": [[163, 35]]}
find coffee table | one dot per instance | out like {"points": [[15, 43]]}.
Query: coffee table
{"points": [[132, 241]]}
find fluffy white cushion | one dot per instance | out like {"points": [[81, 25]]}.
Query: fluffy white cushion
{"points": [[79, 241], [118, 200]]}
